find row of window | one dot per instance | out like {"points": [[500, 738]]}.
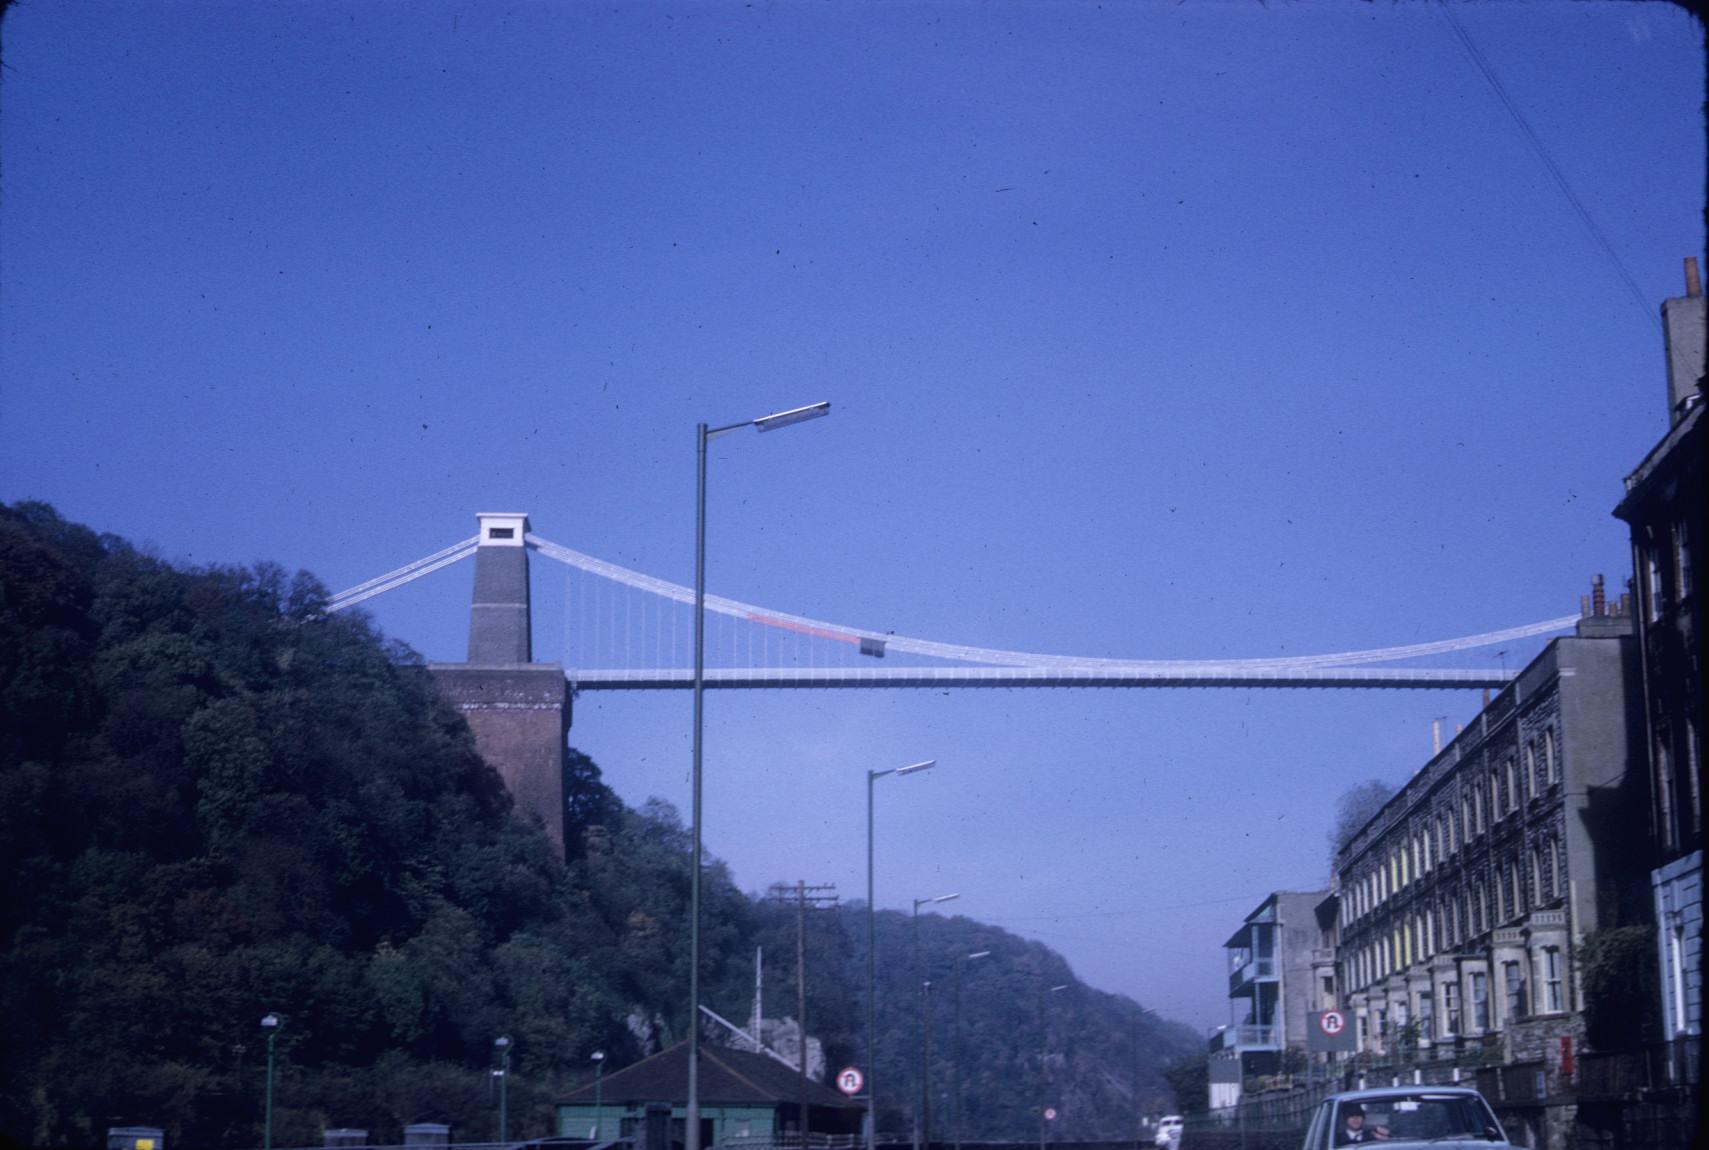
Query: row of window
{"points": [[1687, 821], [1656, 597], [1511, 888], [1391, 1023], [1434, 841]]}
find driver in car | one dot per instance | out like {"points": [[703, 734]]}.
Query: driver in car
{"points": [[1353, 1128]]}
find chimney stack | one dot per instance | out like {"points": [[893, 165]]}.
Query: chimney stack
{"points": [[1598, 598], [1684, 334]]}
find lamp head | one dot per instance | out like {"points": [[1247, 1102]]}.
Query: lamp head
{"points": [[502, 1041], [270, 1021], [598, 1056], [792, 416]]}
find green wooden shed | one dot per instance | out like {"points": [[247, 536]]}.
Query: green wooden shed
{"points": [[744, 1098]]}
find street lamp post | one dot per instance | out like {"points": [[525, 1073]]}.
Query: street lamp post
{"points": [[502, 1043], [872, 956], [960, 962], [922, 1040], [598, 1092], [1043, 1052], [703, 436], [269, 1023]]}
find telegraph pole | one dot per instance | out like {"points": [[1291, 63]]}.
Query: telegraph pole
{"points": [[822, 896]]}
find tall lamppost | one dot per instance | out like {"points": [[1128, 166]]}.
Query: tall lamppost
{"points": [[502, 1044], [598, 1092], [1043, 1053], [269, 1023], [872, 956], [703, 436], [922, 1105], [960, 962]]}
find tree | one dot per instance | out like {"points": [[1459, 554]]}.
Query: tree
{"points": [[1356, 807], [217, 801], [1618, 966], [1190, 1079]]}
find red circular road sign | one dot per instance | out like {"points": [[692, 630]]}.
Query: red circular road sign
{"points": [[1050, 1114], [1332, 1022], [850, 1080]]}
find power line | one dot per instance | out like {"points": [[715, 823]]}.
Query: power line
{"points": [[1483, 65]]}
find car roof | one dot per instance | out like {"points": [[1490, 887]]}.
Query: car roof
{"points": [[1377, 1092]]}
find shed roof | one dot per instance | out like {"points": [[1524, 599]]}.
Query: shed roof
{"points": [[726, 1076]]}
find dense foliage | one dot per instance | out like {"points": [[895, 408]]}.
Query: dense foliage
{"points": [[1190, 1079], [1618, 968], [217, 801], [1096, 1058], [1357, 806]]}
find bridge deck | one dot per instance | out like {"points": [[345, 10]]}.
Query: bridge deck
{"points": [[823, 677]]}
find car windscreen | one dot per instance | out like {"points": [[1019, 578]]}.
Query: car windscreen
{"points": [[1417, 1117]]}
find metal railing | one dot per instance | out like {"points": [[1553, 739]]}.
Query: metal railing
{"points": [[1629, 1073], [1246, 1034], [1247, 972], [793, 1141]]}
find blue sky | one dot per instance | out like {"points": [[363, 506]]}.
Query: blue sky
{"points": [[1151, 330]]}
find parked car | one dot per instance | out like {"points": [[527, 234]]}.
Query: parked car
{"points": [[1447, 1117], [1168, 1132]]}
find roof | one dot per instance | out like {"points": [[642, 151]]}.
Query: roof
{"points": [[1258, 917], [726, 1076]]}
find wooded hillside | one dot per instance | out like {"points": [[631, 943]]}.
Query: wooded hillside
{"points": [[216, 801]]}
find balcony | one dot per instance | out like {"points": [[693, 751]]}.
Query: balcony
{"points": [[1242, 977], [1246, 1036]]}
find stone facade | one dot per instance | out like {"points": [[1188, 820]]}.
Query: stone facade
{"points": [[520, 717], [1679, 940], [1664, 505], [1461, 901]]}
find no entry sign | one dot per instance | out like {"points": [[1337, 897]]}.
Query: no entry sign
{"points": [[1330, 1030], [850, 1080]]}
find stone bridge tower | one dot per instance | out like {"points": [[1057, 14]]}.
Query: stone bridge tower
{"points": [[519, 710]]}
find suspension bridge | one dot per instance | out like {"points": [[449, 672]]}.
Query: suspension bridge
{"points": [[626, 630]]}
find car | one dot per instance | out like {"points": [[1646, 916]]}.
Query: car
{"points": [[1446, 1117], [1168, 1132]]}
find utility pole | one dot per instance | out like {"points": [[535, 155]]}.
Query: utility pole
{"points": [[822, 896]]}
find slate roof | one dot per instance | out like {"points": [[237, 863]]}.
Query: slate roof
{"points": [[726, 1077]]}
